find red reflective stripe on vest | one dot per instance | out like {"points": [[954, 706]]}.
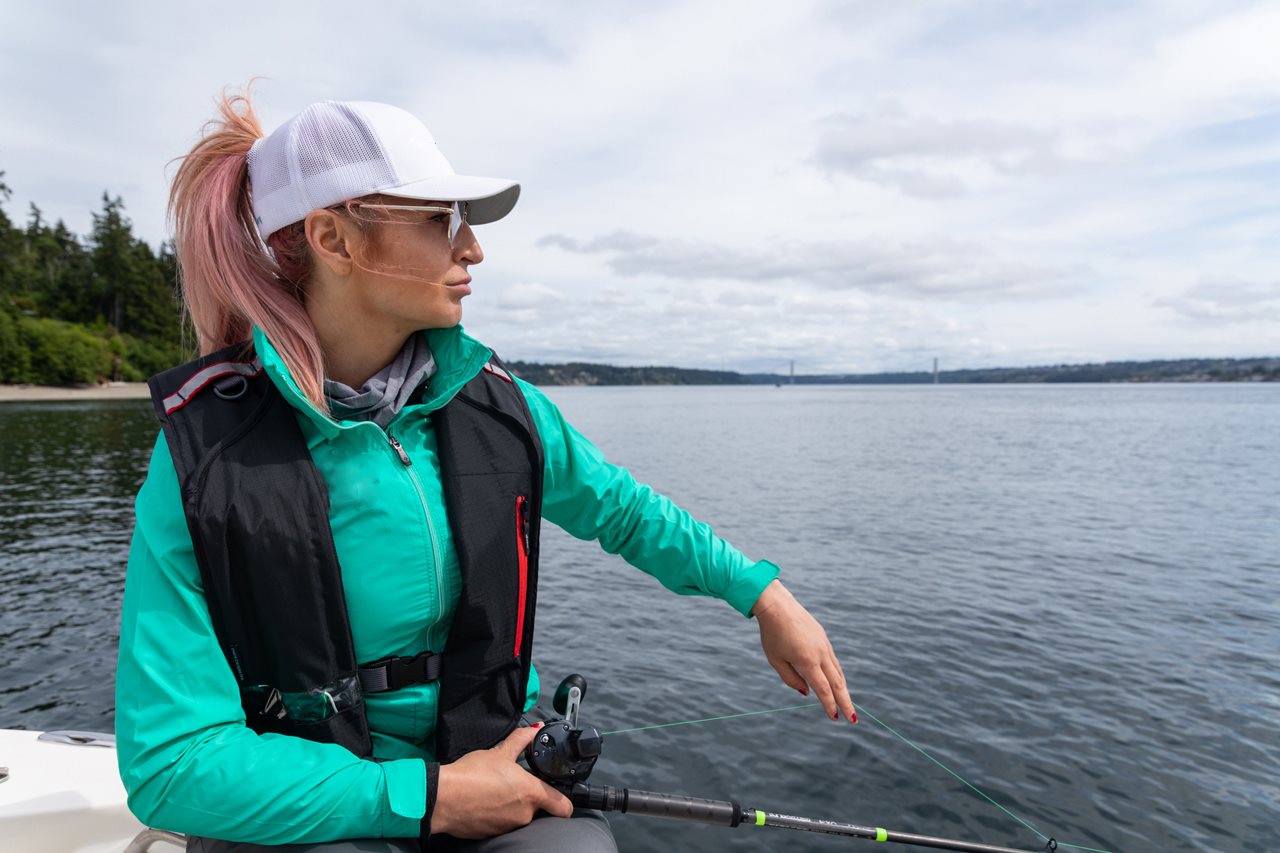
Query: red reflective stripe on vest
{"points": [[200, 379], [499, 372]]}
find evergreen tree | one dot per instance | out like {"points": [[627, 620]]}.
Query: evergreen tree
{"points": [[11, 250], [15, 359], [114, 262], [150, 309], [70, 269], [47, 262]]}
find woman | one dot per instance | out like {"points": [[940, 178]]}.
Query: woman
{"points": [[329, 609]]}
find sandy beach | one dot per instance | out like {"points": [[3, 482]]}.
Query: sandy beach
{"points": [[46, 393]]}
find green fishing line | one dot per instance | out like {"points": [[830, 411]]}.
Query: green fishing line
{"points": [[974, 787], [888, 728]]}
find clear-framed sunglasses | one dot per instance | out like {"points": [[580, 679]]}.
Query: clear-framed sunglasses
{"points": [[457, 212]]}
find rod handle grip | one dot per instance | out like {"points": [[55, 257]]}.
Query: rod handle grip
{"points": [[674, 806]]}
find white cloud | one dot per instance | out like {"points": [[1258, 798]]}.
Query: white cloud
{"points": [[924, 156], [940, 270], [1227, 300]]}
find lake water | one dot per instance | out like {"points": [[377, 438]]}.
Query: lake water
{"points": [[1067, 594]]}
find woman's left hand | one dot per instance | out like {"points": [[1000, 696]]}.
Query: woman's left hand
{"points": [[796, 645]]}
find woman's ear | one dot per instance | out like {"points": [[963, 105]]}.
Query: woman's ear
{"points": [[328, 235]]}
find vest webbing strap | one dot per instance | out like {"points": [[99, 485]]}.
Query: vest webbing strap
{"points": [[394, 673]]}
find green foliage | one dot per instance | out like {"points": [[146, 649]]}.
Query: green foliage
{"points": [[15, 358], [64, 353], [143, 358], [76, 310]]}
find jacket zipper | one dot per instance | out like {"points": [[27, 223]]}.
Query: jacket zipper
{"points": [[431, 531], [522, 550], [399, 449]]}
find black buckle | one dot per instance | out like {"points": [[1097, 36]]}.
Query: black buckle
{"points": [[393, 673]]}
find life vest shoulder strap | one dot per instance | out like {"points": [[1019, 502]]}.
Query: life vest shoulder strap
{"points": [[233, 376]]}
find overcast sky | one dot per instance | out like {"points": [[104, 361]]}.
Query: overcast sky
{"points": [[857, 186]]}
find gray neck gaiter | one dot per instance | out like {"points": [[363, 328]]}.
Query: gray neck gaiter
{"points": [[389, 390]]}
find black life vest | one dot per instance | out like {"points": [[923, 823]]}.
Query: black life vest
{"points": [[258, 511]]}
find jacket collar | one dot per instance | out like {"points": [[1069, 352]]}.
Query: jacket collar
{"points": [[459, 357]]}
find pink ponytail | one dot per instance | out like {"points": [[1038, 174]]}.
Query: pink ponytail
{"points": [[230, 283]]}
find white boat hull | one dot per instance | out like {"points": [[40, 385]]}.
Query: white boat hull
{"points": [[65, 797]]}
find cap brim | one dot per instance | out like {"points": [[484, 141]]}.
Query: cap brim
{"points": [[490, 198]]}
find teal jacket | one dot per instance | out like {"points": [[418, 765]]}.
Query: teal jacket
{"points": [[187, 759]]}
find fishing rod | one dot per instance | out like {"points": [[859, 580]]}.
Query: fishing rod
{"points": [[727, 813], [564, 754]]}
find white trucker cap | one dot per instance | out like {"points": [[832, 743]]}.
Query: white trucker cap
{"points": [[339, 150]]}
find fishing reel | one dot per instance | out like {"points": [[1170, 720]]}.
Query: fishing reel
{"points": [[565, 753]]}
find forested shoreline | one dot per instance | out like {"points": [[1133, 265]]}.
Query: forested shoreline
{"points": [[83, 309]]}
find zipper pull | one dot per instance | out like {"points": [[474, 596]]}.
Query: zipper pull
{"points": [[399, 449]]}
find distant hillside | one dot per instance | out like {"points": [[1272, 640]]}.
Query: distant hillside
{"points": [[583, 373], [1182, 370]]}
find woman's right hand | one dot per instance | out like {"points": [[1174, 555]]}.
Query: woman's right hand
{"points": [[485, 793]]}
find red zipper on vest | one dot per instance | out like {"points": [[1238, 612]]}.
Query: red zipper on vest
{"points": [[522, 551]]}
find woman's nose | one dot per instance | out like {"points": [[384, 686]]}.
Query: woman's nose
{"points": [[466, 248]]}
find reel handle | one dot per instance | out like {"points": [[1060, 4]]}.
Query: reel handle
{"points": [[569, 696]]}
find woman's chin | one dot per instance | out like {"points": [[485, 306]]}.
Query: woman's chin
{"points": [[444, 319]]}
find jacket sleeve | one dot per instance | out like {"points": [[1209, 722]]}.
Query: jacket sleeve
{"points": [[593, 499], [187, 759]]}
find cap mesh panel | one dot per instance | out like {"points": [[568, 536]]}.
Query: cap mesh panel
{"points": [[337, 155], [324, 155]]}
